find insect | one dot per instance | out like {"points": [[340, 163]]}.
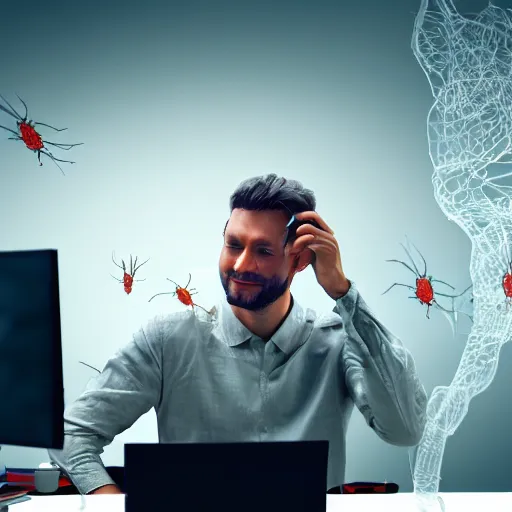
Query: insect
{"points": [[31, 138], [424, 290], [506, 281], [507, 285], [184, 295], [127, 280]]}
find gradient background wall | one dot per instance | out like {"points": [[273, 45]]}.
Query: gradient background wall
{"points": [[177, 102]]}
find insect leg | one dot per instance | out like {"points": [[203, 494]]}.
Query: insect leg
{"points": [[139, 279], [163, 293], [49, 155], [398, 284], [404, 264], [9, 130], [65, 147], [11, 112], [442, 282], [197, 305], [55, 160], [48, 126], [445, 295], [117, 279]]}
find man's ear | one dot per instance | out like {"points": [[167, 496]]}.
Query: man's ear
{"points": [[302, 260]]}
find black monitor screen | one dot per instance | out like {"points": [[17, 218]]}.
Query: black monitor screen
{"points": [[31, 382]]}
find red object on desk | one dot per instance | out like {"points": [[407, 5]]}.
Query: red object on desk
{"points": [[26, 477], [370, 488]]}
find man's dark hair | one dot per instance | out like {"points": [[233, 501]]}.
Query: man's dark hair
{"points": [[271, 192]]}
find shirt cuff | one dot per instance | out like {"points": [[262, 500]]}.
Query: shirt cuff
{"points": [[346, 305]]}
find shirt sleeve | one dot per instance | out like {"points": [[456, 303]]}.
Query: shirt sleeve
{"points": [[380, 374], [128, 387]]}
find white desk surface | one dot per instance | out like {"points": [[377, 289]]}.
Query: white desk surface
{"points": [[401, 502]]}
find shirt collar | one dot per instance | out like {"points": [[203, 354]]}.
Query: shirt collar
{"points": [[292, 333]]}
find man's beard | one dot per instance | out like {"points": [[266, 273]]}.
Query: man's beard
{"points": [[269, 291]]}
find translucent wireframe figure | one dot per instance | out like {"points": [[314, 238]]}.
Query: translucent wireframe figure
{"points": [[468, 63]]}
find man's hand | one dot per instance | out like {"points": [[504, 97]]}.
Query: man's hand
{"points": [[107, 489], [327, 262]]}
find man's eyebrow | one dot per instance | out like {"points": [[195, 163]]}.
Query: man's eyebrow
{"points": [[259, 241]]}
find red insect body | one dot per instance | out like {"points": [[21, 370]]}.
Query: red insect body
{"points": [[424, 290], [507, 287], [184, 296], [128, 283], [30, 137]]}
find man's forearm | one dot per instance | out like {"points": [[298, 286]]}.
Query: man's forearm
{"points": [[80, 462], [381, 374]]}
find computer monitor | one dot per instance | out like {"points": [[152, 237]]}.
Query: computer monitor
{"points": [[31, 380]]}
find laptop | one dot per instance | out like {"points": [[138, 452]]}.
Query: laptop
{"points": [[228, 477], [31, 377]]}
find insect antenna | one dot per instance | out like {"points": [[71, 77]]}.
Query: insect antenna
{"points": [[26, 109], [123, 268], [12, 112], [189, 279], [421, 255], [411, 259], [137, 267], [177, 285]]}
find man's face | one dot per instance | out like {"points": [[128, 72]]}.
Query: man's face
{"points": [[254, 268]]}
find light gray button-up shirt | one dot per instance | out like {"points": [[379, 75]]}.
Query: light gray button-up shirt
{"points": [[211, 380]]}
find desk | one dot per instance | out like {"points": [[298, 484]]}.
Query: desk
{"points": [[401, 502]]}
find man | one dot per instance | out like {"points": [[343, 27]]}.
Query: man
{"points": [[261, 368]]}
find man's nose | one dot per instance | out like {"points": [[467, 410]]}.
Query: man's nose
{"points": [[245, 262]]}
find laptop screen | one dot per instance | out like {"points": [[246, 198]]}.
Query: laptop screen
{"points": [[256, 476]]}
